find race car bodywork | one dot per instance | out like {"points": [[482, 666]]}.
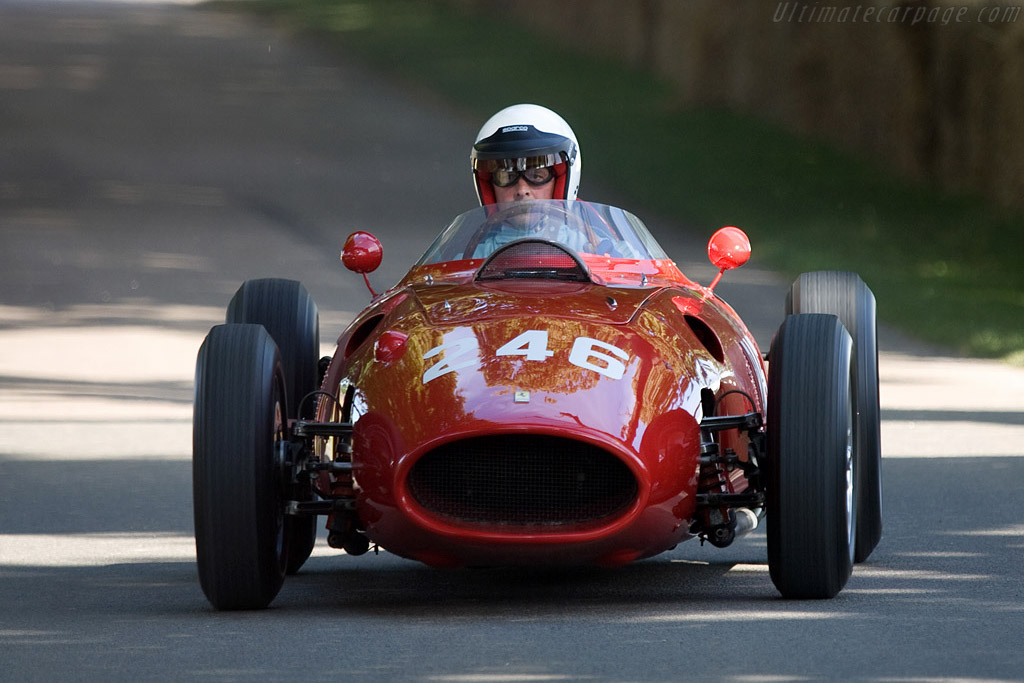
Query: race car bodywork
{"points": [[543, 387]]}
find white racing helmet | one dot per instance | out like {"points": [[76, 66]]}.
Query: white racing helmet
{"points": [[524, 137]]}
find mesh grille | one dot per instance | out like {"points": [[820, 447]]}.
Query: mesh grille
{"points": [[530, 482]]}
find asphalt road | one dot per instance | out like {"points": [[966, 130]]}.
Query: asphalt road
{"points": [[151, 158]]}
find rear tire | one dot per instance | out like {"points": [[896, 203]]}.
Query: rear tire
{"points": [[240, 417], [290, 315], [845, 295], [810, 493]]}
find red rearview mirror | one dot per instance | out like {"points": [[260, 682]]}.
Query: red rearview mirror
{"points": [[362, 253], [729, 248]]}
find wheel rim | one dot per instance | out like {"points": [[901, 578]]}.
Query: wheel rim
{"points": [[851, 526]]}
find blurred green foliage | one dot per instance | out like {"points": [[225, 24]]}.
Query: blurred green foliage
{"points": [[944, 268]]}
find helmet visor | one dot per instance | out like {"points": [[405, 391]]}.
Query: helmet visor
{"points": [[524, 142]]}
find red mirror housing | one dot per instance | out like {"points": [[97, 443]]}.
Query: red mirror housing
{"points": [[729, 248], [362, 253]]}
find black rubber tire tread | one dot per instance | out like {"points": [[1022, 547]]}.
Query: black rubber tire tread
{"points": [[291, 317], [289, 314], [301, 530], [237, 504], [810, 418], [845, 295]]}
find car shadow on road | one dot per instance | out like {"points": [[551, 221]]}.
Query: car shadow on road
{"points": [[404, 589]]}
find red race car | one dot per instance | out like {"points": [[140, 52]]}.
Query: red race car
{"points": [[544, 387]]}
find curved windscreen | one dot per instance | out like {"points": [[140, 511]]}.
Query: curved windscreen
{"points": [[586, 228]]}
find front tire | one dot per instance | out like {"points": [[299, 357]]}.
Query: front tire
{"points": [[810, 493], [845, 295], [239, 419]]}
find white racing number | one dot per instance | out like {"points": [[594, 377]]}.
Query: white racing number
{"points": [[533, 344], [587, 353], [458, 353], [583, 350]]}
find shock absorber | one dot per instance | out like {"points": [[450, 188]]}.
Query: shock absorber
{"points": [[716, 523], [722, 513]]}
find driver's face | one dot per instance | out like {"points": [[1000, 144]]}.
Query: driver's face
{"points": [[523, 190]]}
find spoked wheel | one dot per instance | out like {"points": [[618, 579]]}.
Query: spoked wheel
{"points": [[239, 420], [811, 487], [845, 295], [290, 315]]}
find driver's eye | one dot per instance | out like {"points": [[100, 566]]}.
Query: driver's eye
{"points": [[538, 175], [503, 177]]}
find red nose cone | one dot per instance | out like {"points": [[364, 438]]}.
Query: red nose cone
{"points": [[729, 248], [362, 252]]}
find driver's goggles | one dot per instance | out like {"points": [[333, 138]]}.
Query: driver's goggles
{"points": [[536, 170], [506, 177]]}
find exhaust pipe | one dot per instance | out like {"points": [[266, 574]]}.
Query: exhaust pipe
{"points": [[746, 521]]}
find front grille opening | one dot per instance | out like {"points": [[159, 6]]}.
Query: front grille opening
{"points": [[522, 481]]}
